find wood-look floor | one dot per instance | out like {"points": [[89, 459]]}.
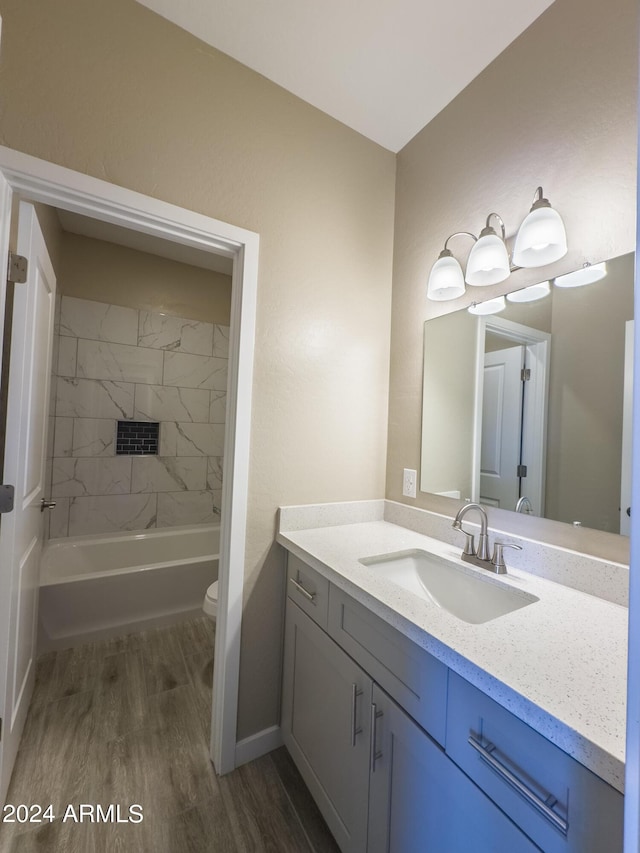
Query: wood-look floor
{"points": [[127, 722]]}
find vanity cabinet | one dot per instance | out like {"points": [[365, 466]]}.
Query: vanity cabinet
{"points": [[382, 783], [403, 755], [326, 726]]}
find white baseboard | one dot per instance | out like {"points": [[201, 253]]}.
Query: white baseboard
{"points": [[257, 745]]}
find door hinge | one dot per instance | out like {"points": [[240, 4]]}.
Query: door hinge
{"points": [[17, 269], [521, 471], [525, 374], [7, 495]]}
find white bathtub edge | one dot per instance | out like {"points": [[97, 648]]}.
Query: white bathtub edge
{"points": [[170, 564], [117, 535], [70, 559]]}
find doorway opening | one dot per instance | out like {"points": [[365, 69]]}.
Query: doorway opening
{"points": [[26, 177], [513, 389]]}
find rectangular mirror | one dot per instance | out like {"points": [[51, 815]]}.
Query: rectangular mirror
{"points": [[529, 409]]}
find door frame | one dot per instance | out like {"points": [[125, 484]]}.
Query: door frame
{"points": [[627, 409], [534, 422], [41, 181]]}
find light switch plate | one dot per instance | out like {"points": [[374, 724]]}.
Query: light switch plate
{"points": [[409, 478]]}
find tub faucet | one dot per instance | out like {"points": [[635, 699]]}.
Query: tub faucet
{"points": [[480, 555], [524, 505]]}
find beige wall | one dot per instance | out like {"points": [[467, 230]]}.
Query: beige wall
{"points": [[557, 108], [105, 272], [110, 89]]}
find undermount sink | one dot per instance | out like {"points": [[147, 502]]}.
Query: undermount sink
{"points": [[458, 590]]}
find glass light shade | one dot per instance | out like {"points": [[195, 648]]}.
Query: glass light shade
{"points": [[491, 306], [541, 239], [587, 275], [488, 262], [530, 294], [446, 280]]}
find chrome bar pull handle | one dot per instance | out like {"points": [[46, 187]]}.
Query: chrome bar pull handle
{"points": [[355, 729], [485, 752], [375, 754], [46, 505], [309, 595]]}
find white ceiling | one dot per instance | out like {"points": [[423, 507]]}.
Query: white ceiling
{"points": [[75, 223], [383, 67]]}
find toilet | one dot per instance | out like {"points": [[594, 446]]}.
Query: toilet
{"points": [[210, 604]]}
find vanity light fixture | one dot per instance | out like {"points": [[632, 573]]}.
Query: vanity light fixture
{"points": [[490, 306], [489, 260], [586, 275], [541, 240], [530, 294], [446, 280]]}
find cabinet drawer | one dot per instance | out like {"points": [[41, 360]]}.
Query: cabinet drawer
{"points": [[556, 801], [415, 679], [421, 802], [308, 589]]}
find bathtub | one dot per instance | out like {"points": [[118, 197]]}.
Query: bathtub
{"points": [[93, 587]]}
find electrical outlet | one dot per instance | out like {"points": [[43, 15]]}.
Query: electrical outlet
{"points": [[409, 478]]}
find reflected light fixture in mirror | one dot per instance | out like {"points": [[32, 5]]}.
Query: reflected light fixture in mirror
{"points": [[589, 274], [530, 294], [541, 239], [489, 306], [488, 261]]}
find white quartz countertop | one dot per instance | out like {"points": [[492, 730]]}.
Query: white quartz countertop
{"points": [[558, 664]]}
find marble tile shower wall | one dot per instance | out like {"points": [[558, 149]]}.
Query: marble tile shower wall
{"points": [[115, 363]]}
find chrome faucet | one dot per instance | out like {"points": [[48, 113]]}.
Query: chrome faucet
{"points": [[480, 556], [481, 553]]}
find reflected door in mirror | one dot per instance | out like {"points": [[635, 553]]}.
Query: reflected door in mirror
{"points": [[501, 442]]}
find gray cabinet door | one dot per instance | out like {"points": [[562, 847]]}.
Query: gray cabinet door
{"points": [[407, 673], [326, 699], [421, 802]]}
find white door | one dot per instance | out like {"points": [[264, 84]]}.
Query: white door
{"points": [[21, 531], [501, 427], [625, 480]]}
